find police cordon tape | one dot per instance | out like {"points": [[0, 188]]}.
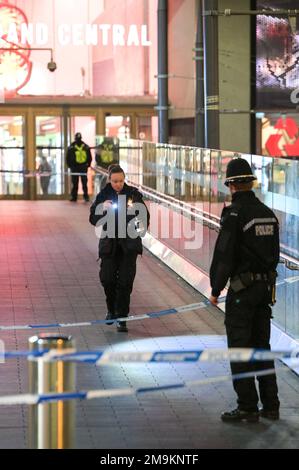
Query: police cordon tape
{"points": [[35, 399], [160, 313], [103, 357], [33, 174]]}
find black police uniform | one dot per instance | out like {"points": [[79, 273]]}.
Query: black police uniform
{"points": [[76, 167], [247, 253], [118, 255]]}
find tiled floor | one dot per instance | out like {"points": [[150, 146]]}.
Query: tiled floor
{"points": [[49, 273]]}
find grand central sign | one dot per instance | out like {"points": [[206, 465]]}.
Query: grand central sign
{"points": [[18, 37]]}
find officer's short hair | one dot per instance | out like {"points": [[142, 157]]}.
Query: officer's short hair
{"points": [[115, 168], [242, 186]]}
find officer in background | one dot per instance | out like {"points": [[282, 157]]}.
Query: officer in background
{"points": [[106, 154], [78, 159], [247, 254]]}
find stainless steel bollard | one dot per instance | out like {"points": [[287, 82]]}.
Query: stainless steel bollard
{"points": [[51, 425]]}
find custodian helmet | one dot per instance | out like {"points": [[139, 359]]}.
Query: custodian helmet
{"points": [[239, 171]]}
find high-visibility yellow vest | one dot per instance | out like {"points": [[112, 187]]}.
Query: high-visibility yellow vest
{"points": [[81, 155], [107, 154]]}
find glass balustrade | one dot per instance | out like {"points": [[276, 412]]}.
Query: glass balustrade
{"points": [[190, 180]]}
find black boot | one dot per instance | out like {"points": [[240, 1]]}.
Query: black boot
{"points": [[240, 415], [122, 326], [270, 414], [110, 316]]}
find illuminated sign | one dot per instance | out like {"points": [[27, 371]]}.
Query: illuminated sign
{"points": [[285, 141], [18, 37], [75, 34], [277, 56]]}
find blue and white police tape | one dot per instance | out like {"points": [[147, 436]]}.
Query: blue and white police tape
{"points": [[160, 313], [33, 174], [199, 355], [35, 399]]}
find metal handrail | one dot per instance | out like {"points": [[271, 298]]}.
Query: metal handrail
{"points": [[211, 220]]}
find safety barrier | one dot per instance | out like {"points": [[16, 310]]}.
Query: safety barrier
{"points": [[160, 313], [46, 398], [51, 425], [52, 382], [52, 389], [104, 357]]}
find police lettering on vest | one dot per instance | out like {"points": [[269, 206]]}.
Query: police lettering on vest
{"points": [[264, 230]]}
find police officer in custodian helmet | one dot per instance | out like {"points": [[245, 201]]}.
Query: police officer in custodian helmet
{"points": [[247, 253]]}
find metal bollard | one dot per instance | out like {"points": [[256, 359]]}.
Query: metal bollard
{"points": [[51, 425]]}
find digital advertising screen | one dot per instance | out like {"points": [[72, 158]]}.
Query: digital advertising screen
{"points": [[277, 57]]}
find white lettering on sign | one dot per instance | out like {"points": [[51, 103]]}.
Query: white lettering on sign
{"points": [[33, 34], [12, 33], [118, 35], [144, 39], [133, 36], [64, 34], [91, 35], [105, 37], [78, 34], [41, 34], [26, 33]]}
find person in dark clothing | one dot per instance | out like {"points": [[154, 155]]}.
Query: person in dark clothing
{"points": [[44, 169], [78, 159], [120, 212], [247, 254], [106, 154]]}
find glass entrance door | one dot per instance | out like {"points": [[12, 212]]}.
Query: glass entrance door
{"points": [[11, 156], [86, 125], [118, 126], [49, 156], [34, 141]]}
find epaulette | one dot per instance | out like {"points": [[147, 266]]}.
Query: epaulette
{"points": [[234, 209], [230, 211]]}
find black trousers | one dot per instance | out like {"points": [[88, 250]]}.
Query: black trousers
{"points": [[75, 184], [117, 276], [248, 323], [44, 182]]}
